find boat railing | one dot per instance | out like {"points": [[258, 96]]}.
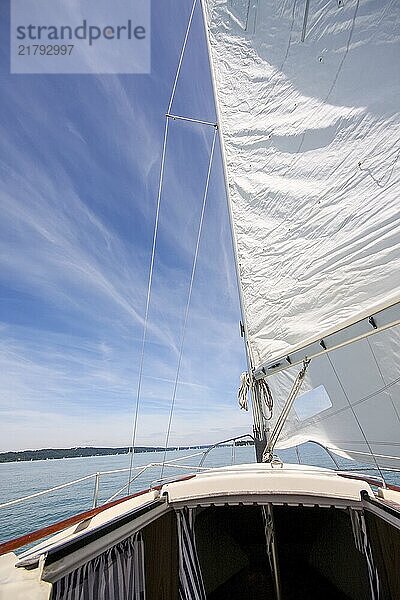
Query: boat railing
{"points": [[138, 472], [156, 484], [175, 464], [232, 440], [96, 476]]}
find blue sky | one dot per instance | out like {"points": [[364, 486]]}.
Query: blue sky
{"points": [[79, 167]]}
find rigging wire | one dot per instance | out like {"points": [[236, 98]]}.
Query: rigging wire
{"points": [[268, 455], [155, 232], [183, 335], [146, 317], [178, 70]]}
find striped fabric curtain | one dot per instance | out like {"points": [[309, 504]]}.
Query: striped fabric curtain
{"points": [[191, 585], [363, 545], [117, 574]]}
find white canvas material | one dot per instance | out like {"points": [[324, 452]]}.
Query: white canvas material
{"points": [[308, 107], [307, 95], [349, 401]]}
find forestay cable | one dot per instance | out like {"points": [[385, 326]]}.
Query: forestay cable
{"points": [[153, 250], [196, 252]]}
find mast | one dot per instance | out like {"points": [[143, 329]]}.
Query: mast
{"points": [[260, 431]]}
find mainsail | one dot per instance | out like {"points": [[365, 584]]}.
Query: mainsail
{"points": [[308, 98]]}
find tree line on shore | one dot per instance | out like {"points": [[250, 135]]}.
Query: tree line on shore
{"points": [[79, 452]]}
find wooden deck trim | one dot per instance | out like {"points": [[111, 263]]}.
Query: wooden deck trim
{"points": [[34, 536], [370, 480]]}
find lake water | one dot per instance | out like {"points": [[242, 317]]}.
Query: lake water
{"points": [[24, 478]]}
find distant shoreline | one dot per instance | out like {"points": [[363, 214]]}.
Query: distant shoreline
{"points": [[80, 452], [87, 451]]}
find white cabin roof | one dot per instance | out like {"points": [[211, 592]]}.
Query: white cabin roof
{"points": [[262, 482]]}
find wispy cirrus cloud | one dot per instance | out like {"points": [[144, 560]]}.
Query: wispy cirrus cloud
{"points": [[79, 166]]}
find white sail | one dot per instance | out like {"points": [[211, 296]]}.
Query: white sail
{"points": [[308, 98], [308, 94], [349, 402]]}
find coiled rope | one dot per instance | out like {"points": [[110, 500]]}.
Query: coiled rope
{"points": [[261, 393]]}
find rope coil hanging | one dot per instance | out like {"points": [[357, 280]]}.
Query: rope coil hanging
{"points": [[261, 393]]}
